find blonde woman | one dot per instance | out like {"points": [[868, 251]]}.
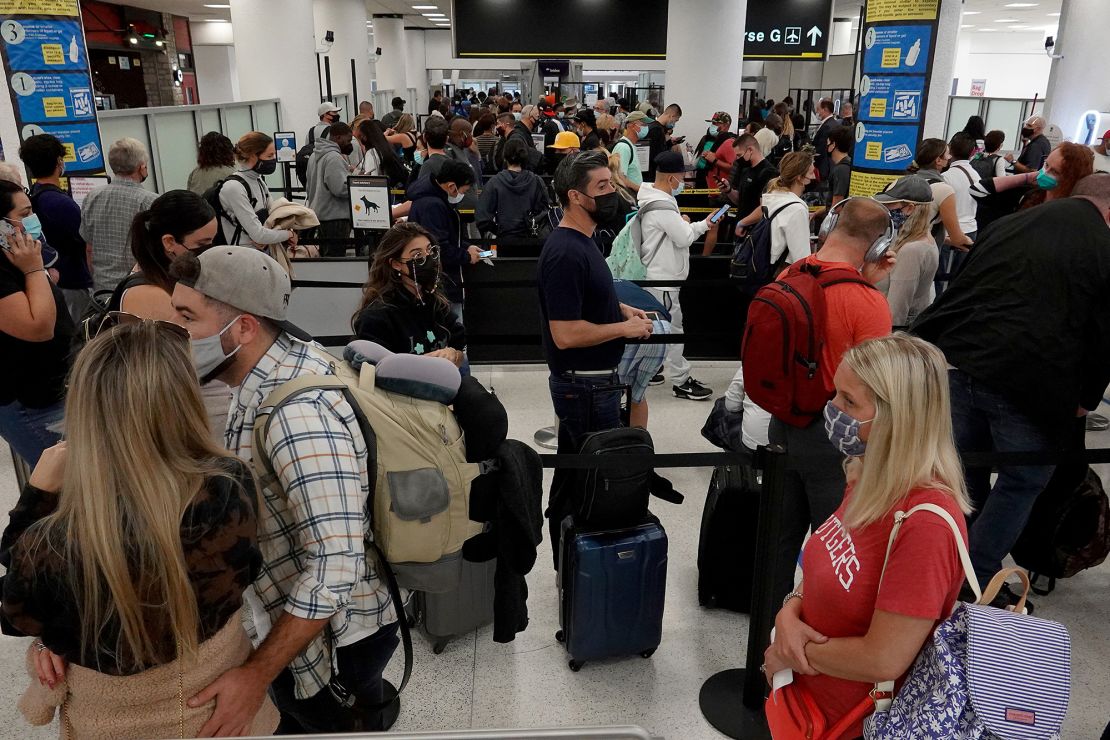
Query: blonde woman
{"points": [[789, 213], [909, 287], [129, 550], [403, 136], [837, 631]]}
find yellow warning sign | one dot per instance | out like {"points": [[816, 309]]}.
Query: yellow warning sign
{"points": [[878, 108], [873, 151], [39, 7], [71, 153], [53, 54], [892, 57], [902, 10], [866, 184]]}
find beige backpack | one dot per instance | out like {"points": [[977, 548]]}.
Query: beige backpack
{"points": [[420, 491]]}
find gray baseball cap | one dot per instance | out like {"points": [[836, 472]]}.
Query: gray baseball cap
{"points": [[911, 189], [249, 280]]}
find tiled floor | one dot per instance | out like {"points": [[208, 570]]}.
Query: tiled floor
{"points": [[477, 683]]}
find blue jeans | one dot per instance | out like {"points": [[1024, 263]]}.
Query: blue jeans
{"points": [[984, 421], [360, 672], [30, 431], [571, 397]]}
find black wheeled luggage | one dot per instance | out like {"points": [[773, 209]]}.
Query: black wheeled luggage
{"points": [[726, 550]]}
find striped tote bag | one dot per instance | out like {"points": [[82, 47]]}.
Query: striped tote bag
{"points": [[986, 674]]}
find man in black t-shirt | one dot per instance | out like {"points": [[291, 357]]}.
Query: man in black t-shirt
{"points": [[659, 136], [584, 325], [1037, 146], [840, 143], [750, 176]]}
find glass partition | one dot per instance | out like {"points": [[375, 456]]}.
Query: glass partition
{"points": [[959, 110], [1007, 116], [171, 133]]}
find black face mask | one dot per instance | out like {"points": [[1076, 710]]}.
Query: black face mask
{"points": [[1026, 132], [266, 166], [606, 207], [426, 276], [347, 148]]}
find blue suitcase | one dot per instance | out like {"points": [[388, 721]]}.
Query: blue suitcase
{"points": [[612, 586]]}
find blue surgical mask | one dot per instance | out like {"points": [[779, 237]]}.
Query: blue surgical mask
{"points": [[676, 190], [1046, 181], [899, 218], [516, 115], [712, 131], [33, 226], [642, 134], [208, 353], [418, 158], [843, 430]]}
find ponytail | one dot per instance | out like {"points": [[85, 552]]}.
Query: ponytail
{"points": [[177, 213]]}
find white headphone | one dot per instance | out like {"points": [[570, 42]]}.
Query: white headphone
{"points": [[878, 248]]}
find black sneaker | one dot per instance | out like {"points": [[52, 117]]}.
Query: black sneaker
{"points": [[692, 390], [657, 379]]}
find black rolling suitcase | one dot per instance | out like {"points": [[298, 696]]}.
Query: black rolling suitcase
{"points": [[726, 550]]}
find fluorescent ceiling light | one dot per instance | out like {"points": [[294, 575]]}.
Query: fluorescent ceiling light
{"points": [[1006, 20], [1054, 14], [216, 6], [434, 15], [425, 7], [972, 12], [1021, 5], [214, 20], [987, 30], [966, 26]]}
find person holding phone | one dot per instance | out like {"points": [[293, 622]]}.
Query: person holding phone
{"points": [[35, 334], [668, 236]]}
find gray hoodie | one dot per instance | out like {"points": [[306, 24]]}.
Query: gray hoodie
{"points": [[327, 182]]}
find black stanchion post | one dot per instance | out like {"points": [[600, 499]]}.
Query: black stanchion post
{"points": [[732, 700]]}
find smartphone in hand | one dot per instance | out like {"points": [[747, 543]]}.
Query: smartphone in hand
{"points": [[719, 214]]}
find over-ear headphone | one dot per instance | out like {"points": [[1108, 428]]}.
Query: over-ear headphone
{"points": [[878, 248]]}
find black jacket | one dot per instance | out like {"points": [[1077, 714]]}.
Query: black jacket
{"points": [[1029, 313], [820, 139], [507, 200], [405, 326], [431, 210], [523, 133]]}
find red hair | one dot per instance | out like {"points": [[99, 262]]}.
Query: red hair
{"points": [[1079, 161]]}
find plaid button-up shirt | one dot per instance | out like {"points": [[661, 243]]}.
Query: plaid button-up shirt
{"points": [[312, 531], [106, 217]]}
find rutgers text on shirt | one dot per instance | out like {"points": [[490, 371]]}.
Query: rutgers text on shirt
{"points": [[788, 29]]}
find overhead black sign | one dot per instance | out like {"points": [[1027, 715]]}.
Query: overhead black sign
{"points": [[788, 29], [554, 67], [571, 29]]}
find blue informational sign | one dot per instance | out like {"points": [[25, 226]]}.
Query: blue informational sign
{"points": [[35, 43], [885, 147], [46, 96], [897, 49], [47, 67], [898, 99]]}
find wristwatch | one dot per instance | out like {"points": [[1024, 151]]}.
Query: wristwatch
{"points": [[791, 595]]}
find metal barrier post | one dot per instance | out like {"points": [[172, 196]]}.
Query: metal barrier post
{"points": [[548, 437], [720, 693]]}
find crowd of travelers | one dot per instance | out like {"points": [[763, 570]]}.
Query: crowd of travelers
{"points": [[175, 591]]}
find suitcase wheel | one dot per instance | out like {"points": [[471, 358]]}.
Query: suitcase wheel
{"points": [[647, 653], [439, 646], [576, 665], [560, 636]]}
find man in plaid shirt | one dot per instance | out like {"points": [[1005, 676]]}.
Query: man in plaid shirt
{"points": [[321, 619]]}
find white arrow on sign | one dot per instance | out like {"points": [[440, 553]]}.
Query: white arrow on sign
{"points": [[814, 34]]}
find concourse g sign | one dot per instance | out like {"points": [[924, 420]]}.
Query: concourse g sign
{"points": [[787, 29]]}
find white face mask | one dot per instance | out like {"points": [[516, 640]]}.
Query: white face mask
{"points": [[208, 352], [455, 199]]}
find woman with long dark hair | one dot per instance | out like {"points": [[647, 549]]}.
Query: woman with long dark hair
{"points": [[403, 307], [381, 158], [215, 161]]}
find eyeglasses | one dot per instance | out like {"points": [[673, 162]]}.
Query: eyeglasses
{"points": [[420, 258], [114, 319]]}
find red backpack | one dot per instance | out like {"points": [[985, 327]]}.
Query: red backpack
{"points": [[783, 339]]}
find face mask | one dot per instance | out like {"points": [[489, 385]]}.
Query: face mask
{"points": [[605, 207], [642, 133], [899, 218], [208, 353], [1026, 132], [425, 275], [1045, 181], [144, 176], [843, 431], [347, 148], [455, 199], [676, 190], [418, 158], [33, 226], [670, 126], [712, 131], [265, 166], [560, 114], [516, 116]]}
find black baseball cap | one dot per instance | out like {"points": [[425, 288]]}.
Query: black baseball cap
{"points": [[670, 163]]}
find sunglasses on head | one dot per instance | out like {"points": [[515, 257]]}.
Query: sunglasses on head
{"points": [[115, 319]]}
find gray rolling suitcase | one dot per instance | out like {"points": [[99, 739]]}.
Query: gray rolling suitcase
{"points": [[458, 612]]}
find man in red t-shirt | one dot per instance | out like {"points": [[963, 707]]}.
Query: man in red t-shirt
{"points": [[814, 485]]}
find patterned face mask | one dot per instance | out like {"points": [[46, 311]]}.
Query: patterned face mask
{"points": [[843, 431]]}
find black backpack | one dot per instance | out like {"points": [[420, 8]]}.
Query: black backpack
{"points": [[1068, 531], [751, 261], [301, 165], [984, 164], [212, 195]]}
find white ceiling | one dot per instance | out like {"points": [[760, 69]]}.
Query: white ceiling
{"points": [[197, 10], [993, 16]]}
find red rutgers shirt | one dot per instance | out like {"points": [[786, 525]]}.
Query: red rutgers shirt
{"points": [[841, 583]]}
